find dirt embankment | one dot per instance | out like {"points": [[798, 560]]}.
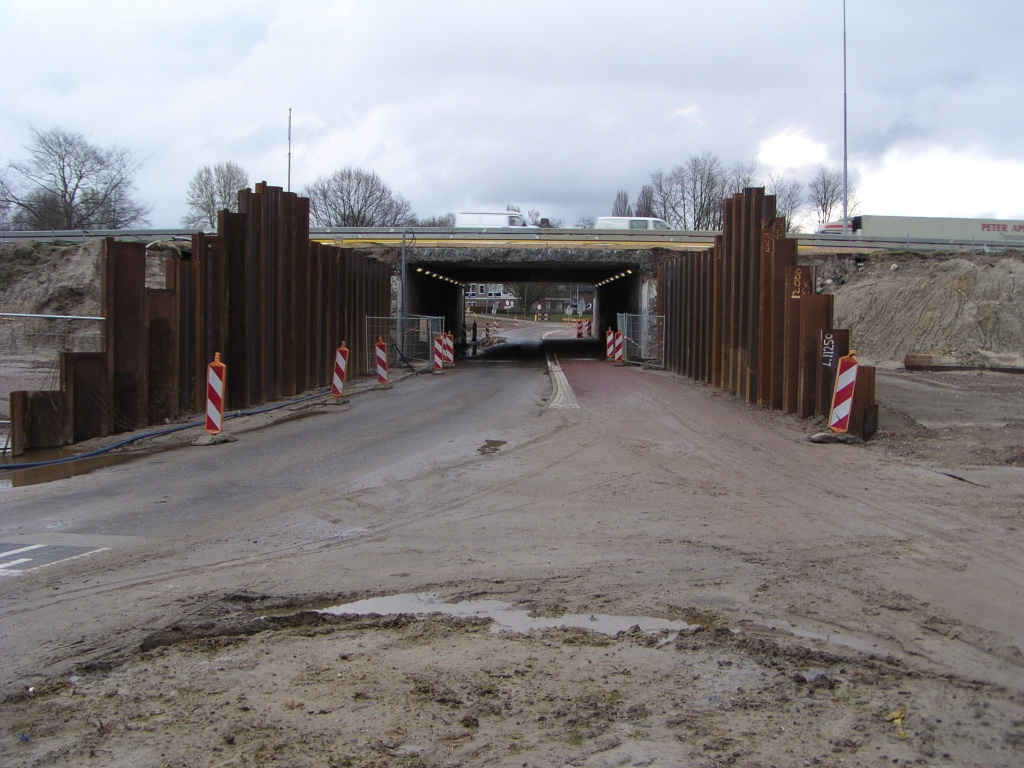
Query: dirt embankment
{"points": [[48, 279], [967, 306]]}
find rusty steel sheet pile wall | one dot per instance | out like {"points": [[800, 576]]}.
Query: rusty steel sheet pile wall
{"points": [[744, 315], [275, 305]]}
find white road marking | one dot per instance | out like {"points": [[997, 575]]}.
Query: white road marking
{"points": [[15, 562], [66, 559], [19, 551]]}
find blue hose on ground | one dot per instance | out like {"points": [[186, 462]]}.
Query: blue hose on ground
{"points": [[157, 433]]}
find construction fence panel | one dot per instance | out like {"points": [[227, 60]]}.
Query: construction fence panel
{"points": [[643, 339], [409, 340]]}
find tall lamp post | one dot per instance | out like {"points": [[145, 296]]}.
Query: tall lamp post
{"points": [[846, 185], [401, 304]]}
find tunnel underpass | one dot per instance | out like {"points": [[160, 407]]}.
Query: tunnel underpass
{"points": [[436, 278]]}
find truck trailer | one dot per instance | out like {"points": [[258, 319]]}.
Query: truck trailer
{"points": [[1006, 231]]}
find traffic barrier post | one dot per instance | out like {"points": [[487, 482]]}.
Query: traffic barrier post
{"points": [[515, 321], [609, 344], [438, 354], [618, 347], [216, 378], [579, 329], [382, 362], [842, 396], [340, 371], [449, 350], [588, 329]]}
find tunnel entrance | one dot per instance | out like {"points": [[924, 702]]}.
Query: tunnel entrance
{"points": [[531, 284]]}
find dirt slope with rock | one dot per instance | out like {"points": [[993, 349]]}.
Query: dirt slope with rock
{"points": [[966, 306]]}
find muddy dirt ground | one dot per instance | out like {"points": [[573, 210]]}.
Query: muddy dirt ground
{"points": [[844, 606], [840, 605]]}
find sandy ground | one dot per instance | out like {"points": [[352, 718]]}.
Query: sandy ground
{"points": [[842, 605]]}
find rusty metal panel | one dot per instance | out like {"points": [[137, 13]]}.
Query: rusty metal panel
{"points": [[864, 409], [797, 285], [126, 336], [717, 309], [40, 420], [815, 316], [83, 375], [833, 344], [783, 264], [215, 316], [163, 402], [773, 231], [300, 295], [232, 228], [18, 409]]}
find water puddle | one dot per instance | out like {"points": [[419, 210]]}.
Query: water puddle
{"points": [[16, 478], [491, 446], [504, 617], [832, 638]]}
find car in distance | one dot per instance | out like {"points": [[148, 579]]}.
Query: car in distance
{"points": [[502, 219], [630, 222]]}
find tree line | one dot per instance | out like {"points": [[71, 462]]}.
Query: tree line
{"points": [[689, 196], [69, 183]]}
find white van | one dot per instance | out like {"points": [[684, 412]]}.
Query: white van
{"points": [[491, 219], [630, 222]]}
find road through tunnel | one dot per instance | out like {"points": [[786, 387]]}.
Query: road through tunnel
{"points": [[449, 282]]}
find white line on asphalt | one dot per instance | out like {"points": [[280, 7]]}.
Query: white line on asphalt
{"points": [[66, 559], [19, 551], [15, 562]]}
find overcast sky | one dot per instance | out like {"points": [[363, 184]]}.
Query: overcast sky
{"points": [[553, 105]]}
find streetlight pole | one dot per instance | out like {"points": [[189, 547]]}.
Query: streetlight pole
{"points": [[846, 184], [405, 287]]}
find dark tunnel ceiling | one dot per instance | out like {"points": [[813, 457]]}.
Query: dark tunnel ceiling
{"points": [[532, 272]]}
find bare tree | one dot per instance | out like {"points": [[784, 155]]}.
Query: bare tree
{"points": [[585, 222], [442, 220], [704, 179], [212, 190], [5, 208], [825, 194], [669, 203], [741, 175], [789, 199], [534, 218], [68, 183], [352, 197], [528, 294], [645, 202], [621, 206]]}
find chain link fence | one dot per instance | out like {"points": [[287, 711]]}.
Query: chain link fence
{"points": [[643, 339], [410, 340]]}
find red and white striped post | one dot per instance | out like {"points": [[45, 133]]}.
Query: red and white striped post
{"points": [[515, 321], [438, 354], [382, 361], [588, 329], [842, 395], [579, 329], [449, 350], [618, 347], [609, 344], [340, 371], [216, 377]]}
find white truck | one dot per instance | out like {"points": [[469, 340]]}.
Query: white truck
{"points": [[934, 228], [485, 219], [630, 222]]}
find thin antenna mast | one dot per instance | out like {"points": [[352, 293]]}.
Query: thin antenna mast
{"points": [[290, 146], [846, 184]]}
